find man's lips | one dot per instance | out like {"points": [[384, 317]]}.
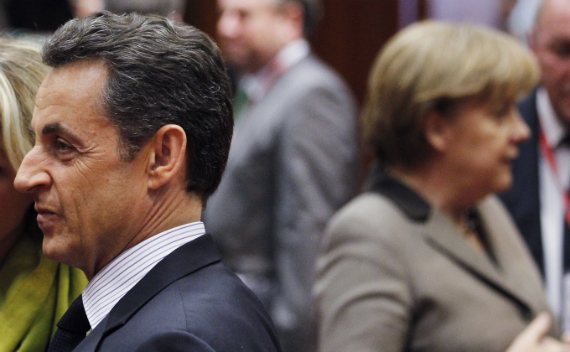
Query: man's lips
{"points": [[43, 209], [45, 215]]}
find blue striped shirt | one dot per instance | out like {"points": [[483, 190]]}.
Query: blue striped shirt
{"points": [[127, 269]]}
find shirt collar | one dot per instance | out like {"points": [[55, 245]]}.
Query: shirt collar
{"points": [[119, 276], [293, 52], [256, 85], [553, 130]]}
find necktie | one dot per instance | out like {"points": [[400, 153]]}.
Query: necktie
{"points": [[71, 328]]}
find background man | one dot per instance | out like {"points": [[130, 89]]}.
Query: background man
{"points": [[173, 9], [537, 199], [293, 160], [133, 128]]}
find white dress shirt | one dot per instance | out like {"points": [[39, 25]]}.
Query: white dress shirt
{"points": [[126, 270], [551, 190]]}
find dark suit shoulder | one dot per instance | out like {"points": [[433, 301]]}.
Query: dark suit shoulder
{"points": [[173, 341], [220, 309], [210, 309], [191, 297]]}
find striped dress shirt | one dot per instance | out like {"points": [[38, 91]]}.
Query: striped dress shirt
{"points": [[126, 270]]}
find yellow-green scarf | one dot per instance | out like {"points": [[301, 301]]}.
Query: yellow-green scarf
{"points": [[34, 294]]}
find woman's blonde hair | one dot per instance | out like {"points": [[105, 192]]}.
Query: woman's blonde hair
{"points": [[433, 65], [21, 73]]}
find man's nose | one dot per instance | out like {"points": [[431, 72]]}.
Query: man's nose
{"points": [[30, 174]]}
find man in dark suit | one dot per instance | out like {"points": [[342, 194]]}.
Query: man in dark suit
{"points": [[294, 158], [133, 128], [537, 199]]}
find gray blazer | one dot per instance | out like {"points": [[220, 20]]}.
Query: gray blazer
{"points": [[396, 275], [292, 164]]}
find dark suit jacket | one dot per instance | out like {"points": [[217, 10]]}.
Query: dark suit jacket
{"points": [[187, 302], [523, 200]]}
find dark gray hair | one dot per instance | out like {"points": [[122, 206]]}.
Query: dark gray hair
{"points": [[160, 72]]}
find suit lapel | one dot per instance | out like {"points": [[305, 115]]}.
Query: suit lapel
{"points": [[91, 342], [185, 260], [511, 255], [445, 237], [442, 234]]}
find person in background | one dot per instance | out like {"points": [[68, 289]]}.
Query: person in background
{"points": [[293, 161], [428, 259], [173, 9], [34, 291], [132, 131], [486, 12], [538, 199], [84, 8], [521, 17]]}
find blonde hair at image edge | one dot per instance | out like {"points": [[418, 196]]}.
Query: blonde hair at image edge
{"points": [[21, 73], [431, 60]]}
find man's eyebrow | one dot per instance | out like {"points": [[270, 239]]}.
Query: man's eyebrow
{"points": [[51, 128], [56, 128]]}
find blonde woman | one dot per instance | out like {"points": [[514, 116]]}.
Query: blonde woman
{"points": [[428, 259], [34, 291]]}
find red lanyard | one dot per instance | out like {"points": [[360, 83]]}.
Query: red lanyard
{"points": [[548, 152]]}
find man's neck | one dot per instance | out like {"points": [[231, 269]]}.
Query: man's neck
{"points": [[169, 209], [257, 84]]}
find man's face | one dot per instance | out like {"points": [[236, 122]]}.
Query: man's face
{"points": [[87, 198], [249, 32], [550, 41]]}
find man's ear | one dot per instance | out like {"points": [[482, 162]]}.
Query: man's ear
{"points": [[294, 15], [293, 10], [167, 156], [436, 130]]}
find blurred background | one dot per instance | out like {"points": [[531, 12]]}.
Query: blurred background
{"points": [[348, 39]]}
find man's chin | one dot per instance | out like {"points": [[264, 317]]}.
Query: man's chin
{"points": [[56, 252]]}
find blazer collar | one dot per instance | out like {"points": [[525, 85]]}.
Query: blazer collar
{"points": [[407, 200], [441, 233], [183, 261]]}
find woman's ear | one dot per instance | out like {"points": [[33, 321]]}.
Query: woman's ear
{"points": [[436, 130], [167, 156]]}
